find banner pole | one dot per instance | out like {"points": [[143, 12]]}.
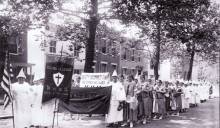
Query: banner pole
{"points": [[13, 119], [57, 111], [54, 112]]}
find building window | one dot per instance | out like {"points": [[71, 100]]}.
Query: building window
{"points": [[53, 47], [139, 58], [124, 56], [114, 67], [113, 48], [76, 71], [103, 67], [133, 71], [123, 53], [19, 45], [124, 70], [152, 64], [128, 55], [104, 48], [15, 44], [76, 51], [132, 55]]}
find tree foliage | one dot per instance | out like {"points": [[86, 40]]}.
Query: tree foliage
{"points": [[75, 33], [17, 16], [201, 32], [155, 17]]}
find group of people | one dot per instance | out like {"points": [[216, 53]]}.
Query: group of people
{"points": [[136, 100], [26, 102], [133, 99]]}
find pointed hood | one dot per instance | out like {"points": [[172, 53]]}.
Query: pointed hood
{"points": [[136, 76], [114, 73], [21, 74]]}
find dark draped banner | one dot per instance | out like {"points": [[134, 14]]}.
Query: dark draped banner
{"points": [[57, 84], [94, 100]]}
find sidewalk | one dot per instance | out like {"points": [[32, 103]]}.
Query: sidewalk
{"points": [[96, 121], [206, 115]]}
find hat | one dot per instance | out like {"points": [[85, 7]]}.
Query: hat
{"points": [[114, 73], [21, 74], [136, 76]]}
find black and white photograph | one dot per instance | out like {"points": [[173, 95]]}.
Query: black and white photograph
{"points": [[109, 63]]}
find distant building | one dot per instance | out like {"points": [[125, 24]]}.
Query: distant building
{"points": [[65, 50], [132, 59], [106, 57], [109, 55]]}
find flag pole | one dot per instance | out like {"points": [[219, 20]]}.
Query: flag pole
{"points": [[12, 106], [57, 106]]}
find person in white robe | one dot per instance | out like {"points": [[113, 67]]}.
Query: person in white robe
{"points": [[207, 89], [186, 92], [36, 106], [197, 96], [192, 98], [118, 95], [22, 101], [202, 92]]}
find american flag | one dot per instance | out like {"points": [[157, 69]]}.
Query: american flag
{"points": [[5, 84]]}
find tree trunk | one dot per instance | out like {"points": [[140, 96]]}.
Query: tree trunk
{"points": [[189, 73], [157, 52], [90, 46]]}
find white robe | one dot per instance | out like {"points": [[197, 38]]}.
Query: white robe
{"points": [[202, 92], [192, 99], [117, 95], [197, 96], [186, 93], [22, 104], [37, 104]]}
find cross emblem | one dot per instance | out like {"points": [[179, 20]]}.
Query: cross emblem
{"points": [[58, 78]]}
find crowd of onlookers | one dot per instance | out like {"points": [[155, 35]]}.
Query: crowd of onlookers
{"points": [[148, 100]]}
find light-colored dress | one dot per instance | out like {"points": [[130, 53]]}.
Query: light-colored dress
{"points": [[117, 95], [21, 94]]}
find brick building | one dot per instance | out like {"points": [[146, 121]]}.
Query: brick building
{"points": [[109, 54]]}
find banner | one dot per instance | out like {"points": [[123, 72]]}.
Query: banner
{"points": [[94, 79], [88, 101], [57, 82]]}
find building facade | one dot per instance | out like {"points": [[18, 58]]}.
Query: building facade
{"points": [[109, 55], [121, 56]]}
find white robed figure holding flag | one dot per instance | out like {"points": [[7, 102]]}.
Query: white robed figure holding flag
{"points": [[22, 102]]}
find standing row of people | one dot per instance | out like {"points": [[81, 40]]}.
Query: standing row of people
{"points": [[140, 100]]}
